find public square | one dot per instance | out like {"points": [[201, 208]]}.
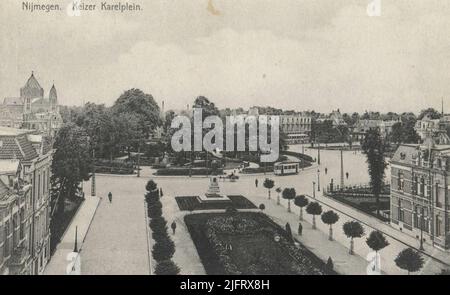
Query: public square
{"points": [[118, 243]]}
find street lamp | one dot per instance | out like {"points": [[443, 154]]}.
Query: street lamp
{"points": [[318, 180], [318, 153], [422, 221], [314, 189]]}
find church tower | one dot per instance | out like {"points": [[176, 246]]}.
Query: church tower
{"points": [[32, 89], [53, 99]]}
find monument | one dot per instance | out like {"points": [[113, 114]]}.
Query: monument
{"points": [[213, 192]]}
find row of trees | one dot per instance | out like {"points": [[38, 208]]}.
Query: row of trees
{"points": [[407, 259], [163, 248]]}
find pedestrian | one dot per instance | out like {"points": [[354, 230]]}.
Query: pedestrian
{"points": [[300, 229], [326, 170], [160, 192], [346, 174], [256, 182], [110, 197], [173, 226]]}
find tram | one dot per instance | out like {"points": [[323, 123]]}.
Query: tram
{"points": [[286, 168]]}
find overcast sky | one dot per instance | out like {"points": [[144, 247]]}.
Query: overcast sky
{"points": [[293, 54]]}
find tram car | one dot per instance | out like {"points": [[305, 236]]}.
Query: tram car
{"points": [[286, 168]]}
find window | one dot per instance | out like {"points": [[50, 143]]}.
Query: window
{"points": [[22, 224], [401, 215], [422, 187], [401, 181], [6, 245], [438, 226], [438, 200]]}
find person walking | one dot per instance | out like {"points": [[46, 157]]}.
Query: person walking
{"points": [[300, 229], [173, 226], [256, 182], [326, 170], [110, 197], [346, 174]]}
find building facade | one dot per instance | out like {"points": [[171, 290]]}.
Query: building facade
{"points": [[296, 127], [31, 109], [363, 126], [420, 205], [437, 128], [25, 160]]}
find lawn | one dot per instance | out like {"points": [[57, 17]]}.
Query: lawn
{"points": [[244, 243], [191, 203]]}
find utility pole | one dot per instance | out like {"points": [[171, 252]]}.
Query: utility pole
{"points": [[342, 170], [139, 160], [93, 175], [318, 153], [314, 189], [318, 180]]}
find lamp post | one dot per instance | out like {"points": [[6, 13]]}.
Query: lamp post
{"points": [[139, 160], [422, 221], [314, 189], [93, 175], [318, 153], [318, 180]]}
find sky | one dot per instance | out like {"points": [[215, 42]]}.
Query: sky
{"points": [[292, 54]]}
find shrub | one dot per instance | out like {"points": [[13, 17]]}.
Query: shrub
{"points": [[158, 224], [163, 250], [166, 267], [155, 210], [151, 186]]}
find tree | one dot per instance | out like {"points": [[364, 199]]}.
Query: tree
{"points": [[314, 209], [374, 148], [301, 201], [376, 241], [166, 267], [431, 113], [163, 250], [151, 185], [409, 260], [278, 190], [141, 106], [158, 224], [262, 207], [155, 210], [208, 107], [268, 184], [72, 163], [352, 230], [289, 194], [330, 217]]}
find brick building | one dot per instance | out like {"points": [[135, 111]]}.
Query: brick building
{"points": [[420, 178], [25, 160]]}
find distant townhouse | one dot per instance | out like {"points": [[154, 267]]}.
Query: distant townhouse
{"points": [[437, 128], [363, 126], [25, 160], [296, 127], [420, 179]]}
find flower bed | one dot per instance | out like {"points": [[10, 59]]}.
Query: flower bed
{"points": [[191, 203], [244, 243]]}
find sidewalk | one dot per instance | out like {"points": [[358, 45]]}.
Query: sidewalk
{"points": [[82, 220], [315, 240], [439, 257]]}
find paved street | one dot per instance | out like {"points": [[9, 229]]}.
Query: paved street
{"points": [[117, 240], [117, 243]]}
